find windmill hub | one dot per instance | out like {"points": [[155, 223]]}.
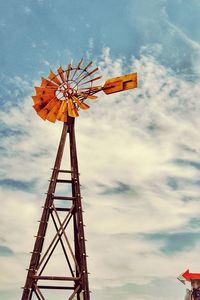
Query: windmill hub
{"points": [[68, 92], [65, 91]]}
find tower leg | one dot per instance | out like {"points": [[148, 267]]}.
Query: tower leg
{"points": [[65, 213]]}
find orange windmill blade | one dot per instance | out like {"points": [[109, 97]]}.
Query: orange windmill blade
{"points": [[63, 94]]}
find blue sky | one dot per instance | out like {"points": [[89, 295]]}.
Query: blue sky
{"points": [[138, 151]]}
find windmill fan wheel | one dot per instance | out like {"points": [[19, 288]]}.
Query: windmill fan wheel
{"points": [[64, 94]]}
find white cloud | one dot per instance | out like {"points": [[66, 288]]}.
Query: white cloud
{"points": [[135, 138]]}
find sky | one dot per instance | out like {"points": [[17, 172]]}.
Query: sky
{"points": [[139, 151]]}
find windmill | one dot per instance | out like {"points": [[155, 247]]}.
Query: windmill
{"points": [[61, 97]]}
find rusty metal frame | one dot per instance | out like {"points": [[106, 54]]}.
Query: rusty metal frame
{"points": [[78, 281]]}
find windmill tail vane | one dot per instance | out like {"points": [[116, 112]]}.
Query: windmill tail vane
{"points": [[61, 229], [64, 93]]}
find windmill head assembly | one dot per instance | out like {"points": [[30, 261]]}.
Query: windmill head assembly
{"points": [[61, 228]]}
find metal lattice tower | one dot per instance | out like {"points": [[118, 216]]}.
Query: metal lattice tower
{"points": [[75, 254], [59, 98]]}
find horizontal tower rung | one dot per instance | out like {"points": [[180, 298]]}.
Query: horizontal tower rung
{"points": [[55, 287], [61, 278], [64, 181], [62, 209], [63, 198], [67, 171]]}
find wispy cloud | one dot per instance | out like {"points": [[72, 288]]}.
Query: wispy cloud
{"points": [[184, 36], [171, 25], [27, 10]]}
